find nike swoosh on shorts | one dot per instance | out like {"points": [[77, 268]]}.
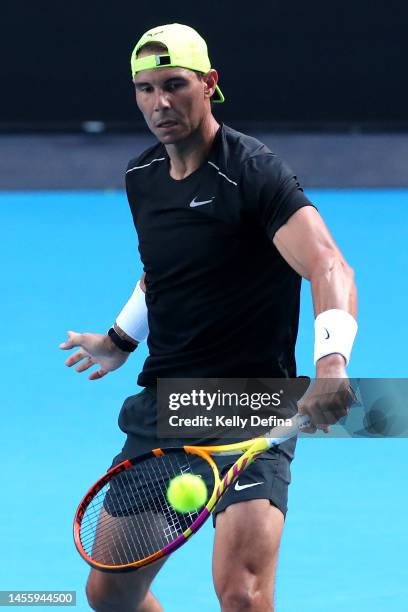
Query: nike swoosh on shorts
{"points": [[239, 487]]}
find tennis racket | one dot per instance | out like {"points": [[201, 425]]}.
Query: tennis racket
{"points": [[124, 522]]}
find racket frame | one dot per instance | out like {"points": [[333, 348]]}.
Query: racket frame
{"points": [[249, 451]]}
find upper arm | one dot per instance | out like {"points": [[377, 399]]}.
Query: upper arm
{"points": [[305, 242]]}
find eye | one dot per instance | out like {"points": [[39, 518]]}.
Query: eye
{"points": [[144, 88], [175, 85]]}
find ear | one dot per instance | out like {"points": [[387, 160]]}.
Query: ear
{"points": [[210, 81]]}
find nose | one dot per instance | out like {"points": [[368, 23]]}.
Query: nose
{"points": [[161, 100]]}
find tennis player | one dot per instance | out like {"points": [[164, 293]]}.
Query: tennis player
{"points": [[225, 236]]}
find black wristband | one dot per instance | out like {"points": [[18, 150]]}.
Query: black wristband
{"points": [[121, 343]]}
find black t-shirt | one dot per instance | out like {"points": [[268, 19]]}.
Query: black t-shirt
{"points": [[221, 300]]}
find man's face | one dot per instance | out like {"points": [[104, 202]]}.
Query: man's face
{"points": [[173, 101]]}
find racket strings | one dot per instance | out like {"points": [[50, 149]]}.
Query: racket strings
{"points": [[130, 519]]}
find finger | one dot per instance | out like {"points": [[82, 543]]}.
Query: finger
{"points": [[335, 413], [74, 339], [98, 374], [85, 365], [354, 399], [331, 415], [316, 418], [327, 413], [327, 416], [340, 413], [75, 357], [347, 400], [310, 429]]}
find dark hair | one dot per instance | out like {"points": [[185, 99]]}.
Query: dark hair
{"points": [[152, 46]]}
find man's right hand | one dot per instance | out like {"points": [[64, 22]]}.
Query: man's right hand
{"points": [[93, 349]]}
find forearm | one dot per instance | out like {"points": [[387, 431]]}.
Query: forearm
{"points": [[332, 283], [307, 246], [335, 306]]}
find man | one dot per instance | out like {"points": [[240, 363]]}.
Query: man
{"points": [[225, 235]]}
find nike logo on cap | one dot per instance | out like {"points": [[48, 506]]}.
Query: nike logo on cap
{"points": [[239, 487], [195, 203]]}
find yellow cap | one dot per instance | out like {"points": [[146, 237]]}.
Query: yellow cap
{"points": [[185, 49]]}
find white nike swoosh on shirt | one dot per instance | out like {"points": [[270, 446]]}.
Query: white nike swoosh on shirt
{"points": [[194, 203], [239, 487]]}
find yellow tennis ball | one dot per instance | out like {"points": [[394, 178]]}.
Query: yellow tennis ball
{"points": [[187, 492]]}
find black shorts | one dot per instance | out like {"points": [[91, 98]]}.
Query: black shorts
{"points": [[267, 478]]}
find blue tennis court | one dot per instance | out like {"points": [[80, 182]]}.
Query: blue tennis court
{"points": [[65, 268]]}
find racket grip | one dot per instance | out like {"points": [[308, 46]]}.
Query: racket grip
{"points": [[302, 420], [298, 421]]}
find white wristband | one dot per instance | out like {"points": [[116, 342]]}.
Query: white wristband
{"points": [[133, 317], [335, 331]]}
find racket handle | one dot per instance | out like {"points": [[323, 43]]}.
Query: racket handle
{"points": [[298, 421], [302, 420]]}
